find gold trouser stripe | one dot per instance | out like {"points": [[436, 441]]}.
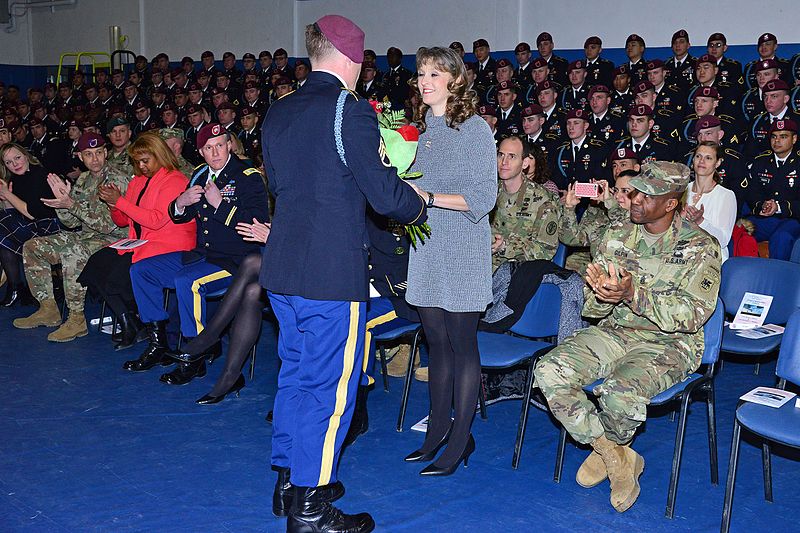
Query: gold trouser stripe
{"points": [[230, 216], [326, 469], [198, 300], [375, 322]]}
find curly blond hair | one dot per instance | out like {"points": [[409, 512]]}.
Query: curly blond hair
{"points": [[462, 100]]}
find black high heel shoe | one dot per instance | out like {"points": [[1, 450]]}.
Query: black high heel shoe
{"points": [[420, 456], [235, 388], [433, 470]]}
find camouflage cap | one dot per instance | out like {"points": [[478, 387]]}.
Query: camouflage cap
{"points": [[170, 133], [661, 177]]}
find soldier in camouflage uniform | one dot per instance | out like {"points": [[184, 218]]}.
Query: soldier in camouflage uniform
{"points": [[77, 207], [654, 284], [119, 134], [174, 138], [528, 219]]}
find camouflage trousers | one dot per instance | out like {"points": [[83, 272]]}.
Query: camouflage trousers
{"points": [[635, 365], [72, 250]]}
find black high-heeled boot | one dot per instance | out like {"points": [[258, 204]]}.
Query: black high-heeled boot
{"points": [[133, 331], [154, 353], [283, 496], [312, 514]]}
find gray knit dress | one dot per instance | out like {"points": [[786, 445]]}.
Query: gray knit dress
{"points": [[452, 270]]}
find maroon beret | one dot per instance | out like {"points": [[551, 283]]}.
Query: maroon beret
{"points": [[249, 55], [775, 85], [3, 124], [621, 70], [706, 58], [471, 66], [202, 74], [643, 86], [532, 110], [579, 114], [594, 39], [251, 85], [90, 140], [599, 89], [634, 38], [522, 47], [654, 64], [209, 131], [215, 91], [168, 107], [158, 90], [575, 65], [179, 91], [300, 62], [717, 37], [283, 80], [226, 105], [544, 36], [187, 59], [707, 92], [37, 106], [193, 108], [75, 124], [194, 86], [344, 35], [227, 55], [246, 111], [139, 105], [539, 62], [708, 121], [623, 153], [766, 37], [368, 65], [546, 84], [504, 63], [222, 74], [126, 84], [177, 72], [506, 85], [487, 109], [766, 64], [480, 42], [282, 52], [680, 34], [207, 53], [640, 110], [786, 124]]}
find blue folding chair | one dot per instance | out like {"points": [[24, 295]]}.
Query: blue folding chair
{"points": [[682, 392], [761, 276], [400, 328], [499, 351], [561, 255], [780, 425]]}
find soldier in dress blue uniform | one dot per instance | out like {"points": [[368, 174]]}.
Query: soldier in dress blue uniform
{"points": [[504, 71], [555, 117], [637, 64], [395, 79], [509, 119], [522, 74], [484, 78], [599, 70], [252, 99], [668, 95], [250, 135], [606, 124], [540, 73], [729, 70], [706, 101], [581, 158], [753, 100], [622, 97], [775, 199], [706, 71], [558, 65], [488, 113], [767, 45], [221, 193], [368, 86], [315, 266], [680, 67], [532, 121], [776, 104], [666, 123], [642, 141], [575, 95]]}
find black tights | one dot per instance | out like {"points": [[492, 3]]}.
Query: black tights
{"points": [[11, 263], [454, 377], [241, 307]]}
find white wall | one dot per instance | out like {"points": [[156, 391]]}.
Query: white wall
{"points": [[180, 27]]}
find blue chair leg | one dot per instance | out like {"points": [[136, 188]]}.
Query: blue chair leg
{"points": [[712, 434], [407, 384], [384, 370], [102, 317], [677, 455], [253, 361], [727, 507], [482, 403], [757, 368], [523, 416], [767, 464], [562, 449]]}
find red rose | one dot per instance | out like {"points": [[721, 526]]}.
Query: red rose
{"points": [[409, 133]]}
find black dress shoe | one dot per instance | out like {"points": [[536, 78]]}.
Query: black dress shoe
{"points": [[235, 388], [433, 470], [132, 331], [311, 514], [420, 456], [184, 373], [154, 353], [283, 496], [360, 421]]}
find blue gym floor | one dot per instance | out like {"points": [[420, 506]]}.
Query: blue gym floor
{"points": [[86, 446]]}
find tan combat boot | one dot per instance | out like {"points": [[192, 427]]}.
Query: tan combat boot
{"points": [[421, 374], [74, 327], [592, 472], [47, 315], [399, 364], [624, 466]]}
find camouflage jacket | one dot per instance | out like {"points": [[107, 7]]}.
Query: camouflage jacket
{"points": [[675, 282], [89, 211], [531, 222], [186, 168], [594, 223], [121, 163]]}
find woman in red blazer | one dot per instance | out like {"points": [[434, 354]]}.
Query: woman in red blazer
{"points": [[143, 209]]}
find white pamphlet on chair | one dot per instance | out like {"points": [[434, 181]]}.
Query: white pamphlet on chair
{"points": [[127, 244], [767, 330], [752, 311], [768, 396]]}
